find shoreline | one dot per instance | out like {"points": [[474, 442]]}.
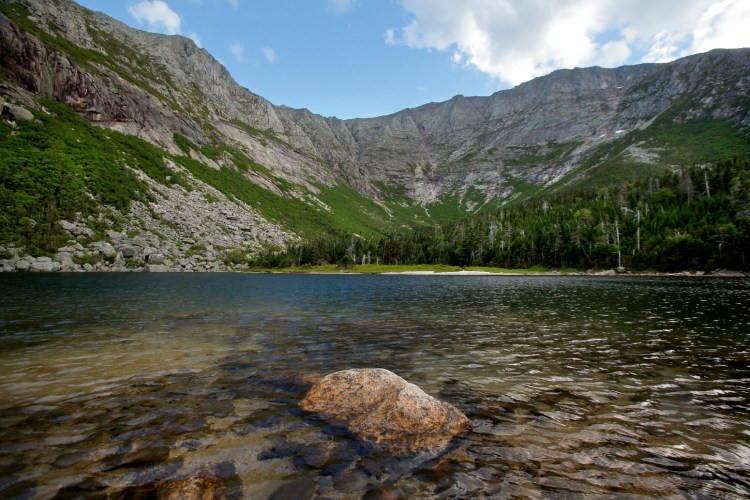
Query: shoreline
{"points": [[718, 273], [465, 273], [58, 265]]}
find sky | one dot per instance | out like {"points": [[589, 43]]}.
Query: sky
{"points": [[364, 58]]}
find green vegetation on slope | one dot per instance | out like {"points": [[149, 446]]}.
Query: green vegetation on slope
{"points": [[534, 155], [294, 214], [696, 218], [407, 213], [264, 135], [675, 140], [60, 165], [343, 210], [352, 212]]}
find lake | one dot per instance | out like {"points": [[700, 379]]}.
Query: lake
{"points": [[113, 384]]}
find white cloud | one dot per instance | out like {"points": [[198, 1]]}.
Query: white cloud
{"points": [[663, 47], [614, 53], [195, 37], [516, 40], [390, 37], [157, 15], [270, 54], [341, 6], [724, 25], [238, 50], [233, 3]]}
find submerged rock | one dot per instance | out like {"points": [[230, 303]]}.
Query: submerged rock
{"points": [[192, 488], [380, 407]]}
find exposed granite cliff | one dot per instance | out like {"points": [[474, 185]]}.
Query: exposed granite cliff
{"points": [[482, 142]]}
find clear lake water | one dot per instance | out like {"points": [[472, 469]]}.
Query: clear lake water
{"points": [[112, 384]]}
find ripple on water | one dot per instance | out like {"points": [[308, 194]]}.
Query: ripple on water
{"points": [[575, 386]]}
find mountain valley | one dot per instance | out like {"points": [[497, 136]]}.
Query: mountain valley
{"points": [[127, 150]]}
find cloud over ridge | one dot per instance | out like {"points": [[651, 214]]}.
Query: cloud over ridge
{"points": [[157, 15], [517, 40], [270, 54]]}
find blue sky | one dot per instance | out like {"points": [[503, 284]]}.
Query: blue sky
{"points": [[362, 58]]}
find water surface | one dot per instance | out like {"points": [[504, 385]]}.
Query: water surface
{"points": [[113, 385]]}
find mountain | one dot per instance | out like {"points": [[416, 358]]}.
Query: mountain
{"points": [[158, 151]]}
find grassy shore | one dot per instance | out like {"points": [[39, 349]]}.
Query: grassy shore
{"points": [[406, 269], [428, 269]]}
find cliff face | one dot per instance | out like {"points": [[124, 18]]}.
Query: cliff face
{"points": [[536, 133], [482, 142], [543, 129], [477, 150]]}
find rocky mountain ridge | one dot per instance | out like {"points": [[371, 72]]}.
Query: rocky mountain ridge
{"points": [[361, 175], [581, 109]]}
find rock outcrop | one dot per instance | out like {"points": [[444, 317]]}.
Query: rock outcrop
{"points": [[382, 408]]}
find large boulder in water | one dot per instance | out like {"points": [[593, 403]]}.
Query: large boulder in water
{"points": [[380, 407], [192, 488]]}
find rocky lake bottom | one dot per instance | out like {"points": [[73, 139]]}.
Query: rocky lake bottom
{"points": [[130, 385]]}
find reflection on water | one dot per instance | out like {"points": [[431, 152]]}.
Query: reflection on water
{"points": [[113, 384]]}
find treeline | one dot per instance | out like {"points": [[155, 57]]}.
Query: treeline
{"points": [[690, 218]]}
